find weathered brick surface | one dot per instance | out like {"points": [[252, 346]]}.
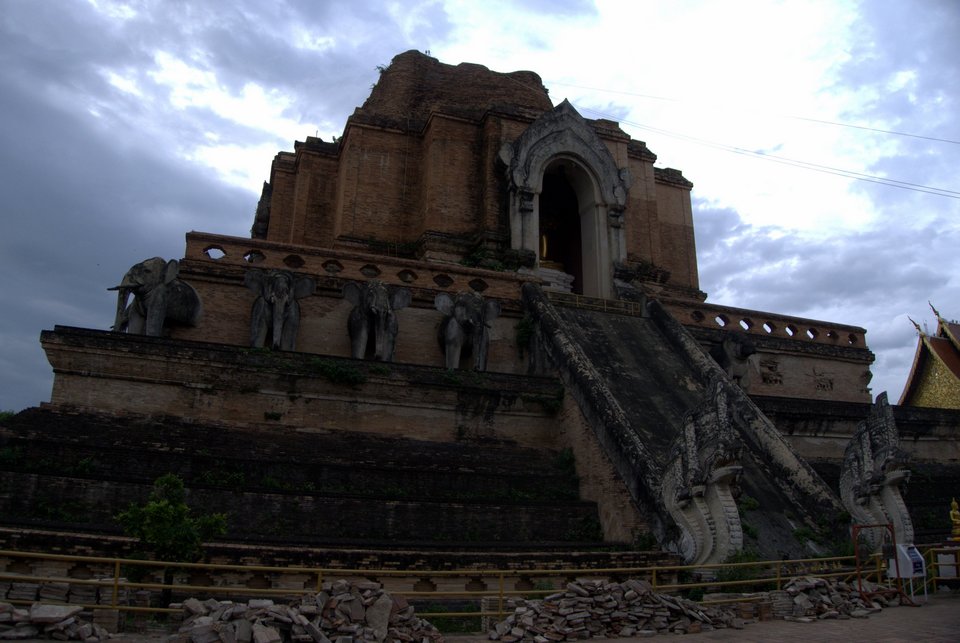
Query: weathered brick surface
{"points": [[121, 373], [419, 161], [599, 482], [73, 469]]}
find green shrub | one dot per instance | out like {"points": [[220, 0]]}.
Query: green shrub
{"points": [[10, 456], [524, 329], [645, 542], [740, 573], [803, 534], [165, 525]]}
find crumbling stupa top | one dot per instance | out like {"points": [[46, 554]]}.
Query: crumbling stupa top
{"points": [[416, 85]]}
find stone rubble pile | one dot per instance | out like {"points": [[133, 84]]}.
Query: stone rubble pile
{"points": [[60, 622], [603, 609], [86, 594], [343, 612], [819, 598]]}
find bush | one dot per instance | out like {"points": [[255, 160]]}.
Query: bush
{"points": [[165, 525]]}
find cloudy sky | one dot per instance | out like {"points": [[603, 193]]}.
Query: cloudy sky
{"points": [[125, 124]]}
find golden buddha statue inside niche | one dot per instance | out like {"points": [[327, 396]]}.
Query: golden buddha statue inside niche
{"points": [[546, 260], [955, 521]]}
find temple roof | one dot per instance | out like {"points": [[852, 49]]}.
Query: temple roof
{"points": [[934, 379]]}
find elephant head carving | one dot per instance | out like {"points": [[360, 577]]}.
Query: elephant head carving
{"points": [[373, 321], [159, 297], [465, 329], [276, 312]]}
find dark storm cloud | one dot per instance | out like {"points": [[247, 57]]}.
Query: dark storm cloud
{"points": [[94, 178]]}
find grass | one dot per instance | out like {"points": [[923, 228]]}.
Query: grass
{"points": [[337, 373], [452, 624]]}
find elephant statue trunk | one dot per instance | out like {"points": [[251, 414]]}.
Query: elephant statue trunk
{"points": [[159, 297], [279, 304], [381, 339], [374, 317], [122, 318]]}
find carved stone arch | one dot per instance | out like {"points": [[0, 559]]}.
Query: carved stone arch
{"points": [[563, 135], [563, 131]]}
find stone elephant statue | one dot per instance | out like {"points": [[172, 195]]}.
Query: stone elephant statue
{"points": [[465, 329], [733, 355], [159, 298], [373, 321], [276, 312]]}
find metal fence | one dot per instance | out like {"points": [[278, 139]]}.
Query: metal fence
{"points": [[102, 582]]}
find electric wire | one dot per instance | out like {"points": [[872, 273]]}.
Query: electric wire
{"points": [[790, 116], [826, 169]]}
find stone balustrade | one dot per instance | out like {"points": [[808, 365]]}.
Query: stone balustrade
{"points": [[352, 265], [763, 324]]}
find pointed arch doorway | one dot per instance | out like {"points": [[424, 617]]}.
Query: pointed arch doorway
{"points": [[567, 198]]}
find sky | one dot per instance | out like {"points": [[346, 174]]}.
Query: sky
{"points": [[123, 125]]}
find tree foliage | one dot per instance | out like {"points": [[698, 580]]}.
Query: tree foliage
{"points": [[165, 524]]}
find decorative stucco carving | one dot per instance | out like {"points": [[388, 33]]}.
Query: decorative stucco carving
{"points": [[563, 132], [700, 481], [770, 372], [874, 473]]}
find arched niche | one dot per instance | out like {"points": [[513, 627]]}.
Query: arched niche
{"points": [[561, 157]]}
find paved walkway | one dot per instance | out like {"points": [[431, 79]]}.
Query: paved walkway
{"points": [[937, 621]]}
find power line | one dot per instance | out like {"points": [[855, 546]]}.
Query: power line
{"points": [[790, 116], [826, 169]]}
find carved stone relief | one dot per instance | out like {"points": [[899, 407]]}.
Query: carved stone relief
{"points": [[770, 372]]}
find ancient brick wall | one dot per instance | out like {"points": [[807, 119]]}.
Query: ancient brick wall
{"points": [[640, 218], [283, 177], [121, 373], [451, 176], [419, 168], [675, 219], [620, 518], [315, 201], [820, 430]]}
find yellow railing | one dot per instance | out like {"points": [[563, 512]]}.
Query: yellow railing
{"points": [[498, 584], [937, 571]]}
